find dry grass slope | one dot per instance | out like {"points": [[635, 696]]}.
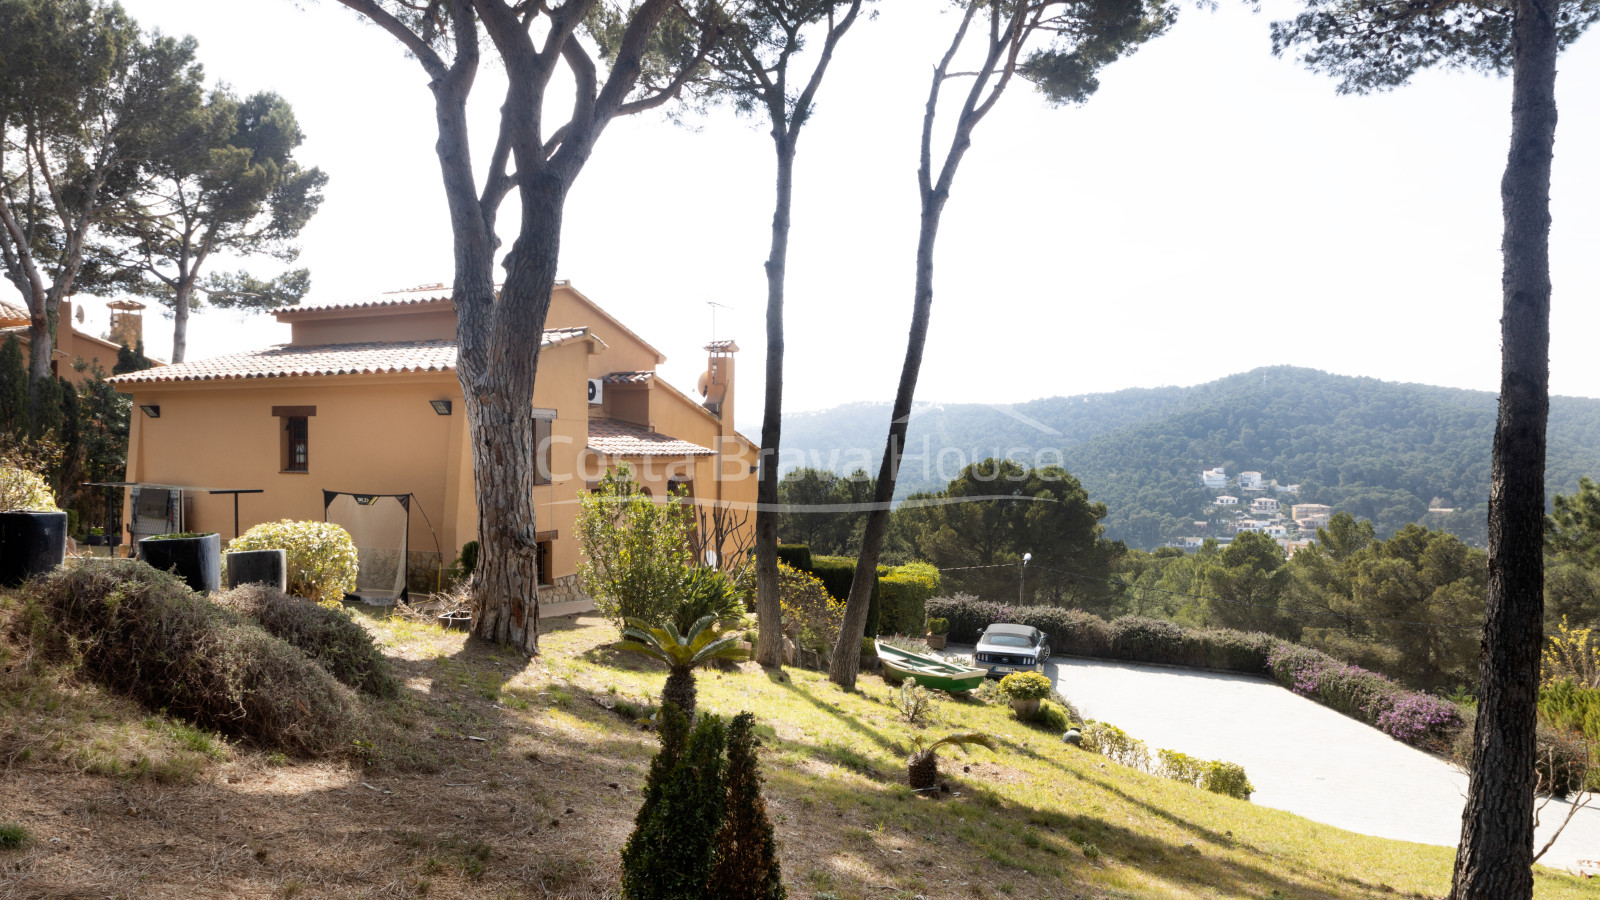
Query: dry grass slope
{"points": [[488, 776]]}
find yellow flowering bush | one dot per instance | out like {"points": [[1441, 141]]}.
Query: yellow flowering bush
{"points": [[1571, 654], [811, 617]]}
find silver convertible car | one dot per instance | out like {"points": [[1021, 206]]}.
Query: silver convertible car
{"points": [[1003, 649]]}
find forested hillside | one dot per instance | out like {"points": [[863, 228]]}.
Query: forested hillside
{"points": [[1380, 450]]}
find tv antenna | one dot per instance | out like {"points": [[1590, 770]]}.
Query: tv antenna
{"points": [[714, 307]]}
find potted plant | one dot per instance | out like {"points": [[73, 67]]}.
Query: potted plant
{"points": [[33, 530], [195, 557], [937, 629], [97, 536], [1025, 689], [269, 567]]}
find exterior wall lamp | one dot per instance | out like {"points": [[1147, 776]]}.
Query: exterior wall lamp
{"points": [[441, 407], [151, 410]]}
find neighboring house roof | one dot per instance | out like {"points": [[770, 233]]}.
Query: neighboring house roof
{"points": [[628, 377], [722, 347], [613, 437], [11, 312], [432, 293], [366, 358]]}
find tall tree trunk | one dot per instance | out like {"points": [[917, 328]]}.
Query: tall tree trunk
{"points": [[1496, 853], [180, 322], [847, 652], [769, 639], [500, 363]]}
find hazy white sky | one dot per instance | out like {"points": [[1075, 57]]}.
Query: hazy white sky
{"points": [[1210, 210]]}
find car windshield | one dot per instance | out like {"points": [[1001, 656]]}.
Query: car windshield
{"points": [[1008, 640]]}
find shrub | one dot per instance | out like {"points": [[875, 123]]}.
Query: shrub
{"points": [[795, 556], [1115, 744], [670, 854], [329, 636], [903, 592], [145, 634], [1026, 686], [21, 489], [747, 854], [321, 558], [1415, 718], [938, 626], [13, 836], [1052, 717], [1214, 775], [636, 552], [1571, 654], [1569, 707], [811, 616], [706, 592], [838, 575], [913, 702]]}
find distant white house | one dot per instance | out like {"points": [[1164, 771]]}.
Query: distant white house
{"points": [[1243, 525], [1187, 543], [1226, 500], [1250, 481], [1215, 479], [1289, 488], [1293, 547], [1263, 506], [1311, 516]]}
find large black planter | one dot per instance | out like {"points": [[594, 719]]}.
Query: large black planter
{"points": [[31, 543], [268, 567], [197, 560]]}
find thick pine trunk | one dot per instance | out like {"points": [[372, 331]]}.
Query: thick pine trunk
{"points": [[497, 367], [1496, 853], [769, 639]]}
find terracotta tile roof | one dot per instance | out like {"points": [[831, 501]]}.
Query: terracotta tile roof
{"points": [[612, 437], [628, 377], [722, 347], [289, 361], [432, 293], [11, 312]]}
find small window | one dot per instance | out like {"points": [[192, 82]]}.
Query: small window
{"points": [[683, 485], [296, 444]]}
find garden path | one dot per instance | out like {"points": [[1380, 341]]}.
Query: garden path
{"points": [[1302, 757]]}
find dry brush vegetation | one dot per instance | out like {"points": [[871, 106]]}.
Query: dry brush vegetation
{"points": [[483, 775]]}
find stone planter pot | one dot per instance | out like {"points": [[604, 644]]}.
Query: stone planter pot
{"points": [[95, 540], [456, 621], [935, 642], [1025, 709], [197, 560], [268, 567], [31, 543]]}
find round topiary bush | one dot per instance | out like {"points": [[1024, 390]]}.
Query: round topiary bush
{"points": [[321, 556], [1026, 686]]}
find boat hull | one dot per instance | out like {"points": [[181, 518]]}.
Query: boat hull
{"points": [[930, 672]]}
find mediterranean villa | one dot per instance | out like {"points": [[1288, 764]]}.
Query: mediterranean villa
{"points": [[364, 399]]}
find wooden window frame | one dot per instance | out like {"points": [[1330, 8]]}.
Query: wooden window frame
{"points": [[288, 418]]}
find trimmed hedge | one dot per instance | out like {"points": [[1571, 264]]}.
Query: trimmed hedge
{"points": [[795, 556], [1419, 719], [903, 593]]}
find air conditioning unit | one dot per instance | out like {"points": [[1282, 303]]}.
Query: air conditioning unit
{"points": [[595, 388]]}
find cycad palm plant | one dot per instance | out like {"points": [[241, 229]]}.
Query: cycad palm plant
{"points": [[682, 652], [922, 768]]}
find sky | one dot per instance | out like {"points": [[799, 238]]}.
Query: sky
{"points": [[1210, 210]]}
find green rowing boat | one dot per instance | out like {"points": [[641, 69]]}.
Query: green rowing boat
{"points": [[928, 671]]}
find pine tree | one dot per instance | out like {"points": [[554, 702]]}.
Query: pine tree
{"points": [[747, 854], [670, 853]]}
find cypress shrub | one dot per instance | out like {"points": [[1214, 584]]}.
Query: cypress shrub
{"points": [[838, 575], [670, 854], [795, 556], [747, 853]]}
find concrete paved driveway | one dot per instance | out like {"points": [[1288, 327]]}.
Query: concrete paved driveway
{"points": [[1301, 756]]}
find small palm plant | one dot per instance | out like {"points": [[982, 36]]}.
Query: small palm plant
{"points": [[922, 768], [682, 652]]}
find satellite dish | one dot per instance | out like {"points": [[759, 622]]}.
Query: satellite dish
{"points": [[704, 384], [80, 315]]}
